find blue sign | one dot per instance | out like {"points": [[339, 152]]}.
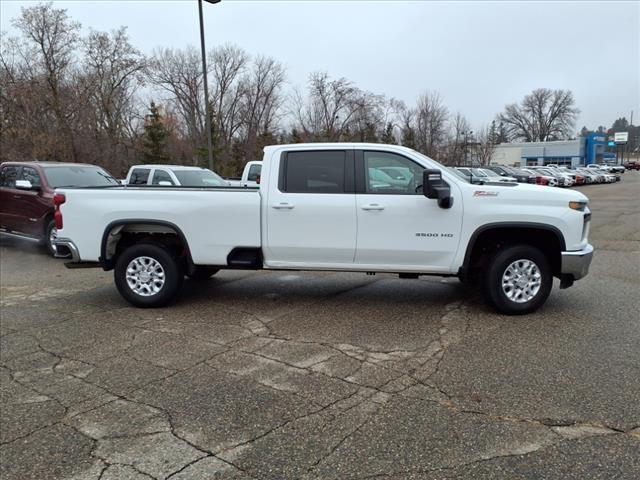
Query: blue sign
{"points": [[611, 144]]}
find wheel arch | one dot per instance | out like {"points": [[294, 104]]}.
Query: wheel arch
{"points": [[494, 235], [112, 236]]}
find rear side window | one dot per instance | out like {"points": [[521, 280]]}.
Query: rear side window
{"points": [[161, 176], [315, 172], [139, 176], [8, 176], [254, 173]]}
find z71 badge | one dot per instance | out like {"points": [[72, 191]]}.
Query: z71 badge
{"points": [[484, 193]]}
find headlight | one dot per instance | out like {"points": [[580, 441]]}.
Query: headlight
{"points": [[578, 205]]}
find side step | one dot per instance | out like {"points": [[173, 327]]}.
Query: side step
{"points": [[248, 258]]}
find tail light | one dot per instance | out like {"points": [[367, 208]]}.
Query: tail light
{"points": [[58, 199]]}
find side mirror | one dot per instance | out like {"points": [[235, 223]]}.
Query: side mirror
{"points": [[25, 185], [435, 188]]}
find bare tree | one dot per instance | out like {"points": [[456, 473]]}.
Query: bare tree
{"points": [[337, 110], [179, 73], [543, 115], [229, 65], [261, 102], [113, 71], [485, 145], [457, 146], [431, 123], [49, 40]]}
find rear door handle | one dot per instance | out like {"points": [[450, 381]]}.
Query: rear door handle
{"points": [[282, 206], [373, 206], [17, 197]]}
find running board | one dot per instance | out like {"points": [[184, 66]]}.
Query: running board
{"points": [[20, 236]]}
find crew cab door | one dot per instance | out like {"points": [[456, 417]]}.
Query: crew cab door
{"points": [[311, 215], [398, 227], [10, 197], [33, 206]]}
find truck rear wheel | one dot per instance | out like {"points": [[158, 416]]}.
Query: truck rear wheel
{"points": [[147, 275], [518, 280]]}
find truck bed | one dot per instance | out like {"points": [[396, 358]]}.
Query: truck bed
{"points": [[214, 220]]}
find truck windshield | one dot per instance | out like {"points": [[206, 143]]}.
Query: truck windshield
{"points": [[78, 176], [199, 178]]}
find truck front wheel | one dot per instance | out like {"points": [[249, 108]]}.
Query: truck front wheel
{"points": [[518, 280], [147, 275]]}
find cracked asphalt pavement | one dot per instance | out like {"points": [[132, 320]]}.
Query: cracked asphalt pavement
{"points": [[280, 375]]}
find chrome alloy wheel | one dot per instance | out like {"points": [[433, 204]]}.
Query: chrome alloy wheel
{"points": [[521, 281], [145, 276]]}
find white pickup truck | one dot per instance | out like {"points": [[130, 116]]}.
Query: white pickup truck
{"points": [[250, 175], [324, 207]]}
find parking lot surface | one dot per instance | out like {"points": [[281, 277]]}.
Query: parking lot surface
{"points": [[278, 375]]}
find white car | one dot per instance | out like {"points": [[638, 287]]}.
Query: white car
{"points": [[174, 175]]}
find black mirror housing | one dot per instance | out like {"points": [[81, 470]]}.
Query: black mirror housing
{"points": [[435, 188]]}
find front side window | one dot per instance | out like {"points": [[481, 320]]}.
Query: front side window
{"points": [[139, 176], [391, 174], [161, 176], [8, 176], [31, 175], [315, 172]]}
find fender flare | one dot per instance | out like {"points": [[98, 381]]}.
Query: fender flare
{"points": [[108, 264]]}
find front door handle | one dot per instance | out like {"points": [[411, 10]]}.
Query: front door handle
{"points": [[282, 206], [17, 197], [373, 206]]}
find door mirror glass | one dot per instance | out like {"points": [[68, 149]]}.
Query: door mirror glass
{"points": [[435, 188], [24, 185]]}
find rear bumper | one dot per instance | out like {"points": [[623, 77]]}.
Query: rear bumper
{"points": [[69, 245], [575, 264]]}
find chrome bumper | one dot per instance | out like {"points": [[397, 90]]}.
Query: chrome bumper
{"points": [[577, 263], [68, 244]]}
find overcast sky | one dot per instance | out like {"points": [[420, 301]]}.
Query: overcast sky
{"points": [[478, 55]]}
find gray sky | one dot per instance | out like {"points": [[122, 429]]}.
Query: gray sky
{"points": [[478, 55]]}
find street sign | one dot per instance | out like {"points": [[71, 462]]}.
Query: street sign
{"points": [[621, 137], [611, 143]]}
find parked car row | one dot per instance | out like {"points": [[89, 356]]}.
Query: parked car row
{"points": [[550, 175]]}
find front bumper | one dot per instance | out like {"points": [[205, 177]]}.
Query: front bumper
{"points": [[575, 264], [69, 245]]}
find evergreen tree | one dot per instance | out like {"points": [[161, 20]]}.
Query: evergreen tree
{"points": [[154, 139]]}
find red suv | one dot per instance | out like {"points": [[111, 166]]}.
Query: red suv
{"points": [[26, 195]]}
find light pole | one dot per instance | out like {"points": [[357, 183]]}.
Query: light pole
{"points": [[206, 85]]}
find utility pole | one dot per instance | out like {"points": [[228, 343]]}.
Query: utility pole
{"points": [[206, 85]]}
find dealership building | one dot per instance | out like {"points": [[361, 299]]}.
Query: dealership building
{"points": [[571, 153]]}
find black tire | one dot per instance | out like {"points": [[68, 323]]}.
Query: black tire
{"points": [[201, 273], [170, 266], [496, 295], [51, 248]]}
